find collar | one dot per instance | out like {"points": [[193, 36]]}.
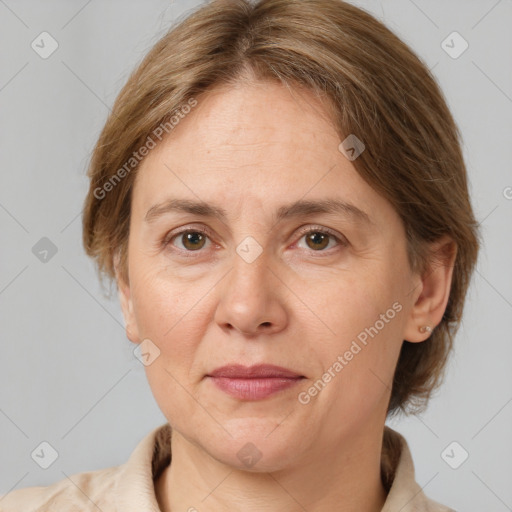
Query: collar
{"points": [[135, 489]]}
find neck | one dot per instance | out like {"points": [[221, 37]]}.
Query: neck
{"points": [[347, 479]]}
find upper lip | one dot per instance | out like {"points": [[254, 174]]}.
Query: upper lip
{"points": [[258, 371]]}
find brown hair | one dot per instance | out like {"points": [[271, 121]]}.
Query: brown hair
{"points": [[379, 90]]}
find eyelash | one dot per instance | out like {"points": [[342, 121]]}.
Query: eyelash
{"points": [[167, 240]]}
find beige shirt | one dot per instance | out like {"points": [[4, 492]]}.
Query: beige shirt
{"points": [[130, 486]]}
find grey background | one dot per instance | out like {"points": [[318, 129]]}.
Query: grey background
{"points": [[68, 374]]}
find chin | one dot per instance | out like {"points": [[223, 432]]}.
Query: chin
{"points": [[255, 444]]}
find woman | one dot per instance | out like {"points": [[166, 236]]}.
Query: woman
{"points": [[280, 196]]}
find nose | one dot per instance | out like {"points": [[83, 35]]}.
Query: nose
{"points": [[251, 298]]}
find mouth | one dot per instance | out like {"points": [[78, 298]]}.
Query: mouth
{"points": [[254, 382]]}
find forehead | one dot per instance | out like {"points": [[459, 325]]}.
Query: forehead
{"points": [[259, 111], [258, 116], [253, 144]]}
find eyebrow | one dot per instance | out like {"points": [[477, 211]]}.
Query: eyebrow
{"points": [[296, 209]]}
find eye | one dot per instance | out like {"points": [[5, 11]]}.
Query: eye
{"points": [[189, 240], [319, 238]]}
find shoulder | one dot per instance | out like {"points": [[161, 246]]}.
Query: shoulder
{"points": [[88, 491], [127, 488]]}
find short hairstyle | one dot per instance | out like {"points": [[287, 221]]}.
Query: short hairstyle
{"points": [[378, 89]]}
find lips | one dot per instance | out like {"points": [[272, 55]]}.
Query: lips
{"points": [[259, 371], [253, 382]]}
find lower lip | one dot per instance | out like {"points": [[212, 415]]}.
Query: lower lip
{"points": [[254, 389]]}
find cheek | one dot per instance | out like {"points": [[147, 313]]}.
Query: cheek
{"points": [[161, 300], [172, 315], [365, 317], [347, 303]]}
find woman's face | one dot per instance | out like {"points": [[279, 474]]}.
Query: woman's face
{"points": [[248, 285]]}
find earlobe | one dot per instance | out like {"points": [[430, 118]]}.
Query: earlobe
{"points": [[430, 305], [125, 300]]}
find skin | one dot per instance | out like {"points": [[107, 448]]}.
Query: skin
{"points": [[251, 149]]}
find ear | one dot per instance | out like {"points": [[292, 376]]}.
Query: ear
{"points": [[432, 291], [125, 299]]}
